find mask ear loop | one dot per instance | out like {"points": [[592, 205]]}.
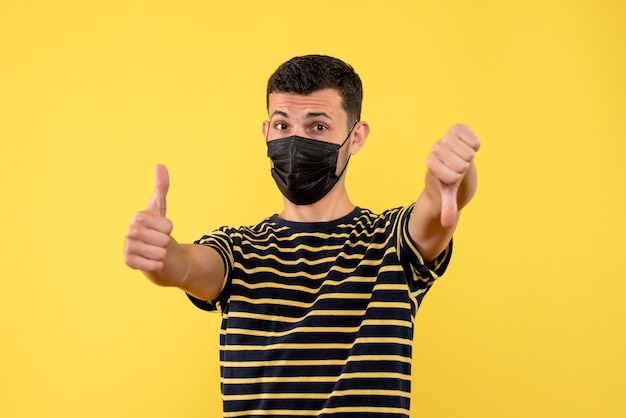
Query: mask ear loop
{"points": [[349, 133], [342, 144]]}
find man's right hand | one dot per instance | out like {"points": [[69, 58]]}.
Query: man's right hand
{"points": [[148, 235]]}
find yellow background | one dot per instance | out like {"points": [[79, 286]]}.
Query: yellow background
{"points": [[530, 320]]}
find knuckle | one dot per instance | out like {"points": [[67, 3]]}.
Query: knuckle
{"points": [[456, 128], [138, 218], [461, 127], [131, 232], [433, 163], [437, 148]]}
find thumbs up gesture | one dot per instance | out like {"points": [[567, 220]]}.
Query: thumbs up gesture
{"points": [[148, 235], [157, 202], [449, 163]]}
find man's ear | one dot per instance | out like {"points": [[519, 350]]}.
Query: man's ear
{"points": [[264, 128], [359, 135]]}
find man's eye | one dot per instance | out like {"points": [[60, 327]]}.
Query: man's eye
{"points": [[281, 126], [319, 127]]}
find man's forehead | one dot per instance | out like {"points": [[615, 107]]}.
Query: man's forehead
{"points": [[326, 101]]}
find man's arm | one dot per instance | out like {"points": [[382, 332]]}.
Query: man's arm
{"points": [[196, 269], [451, 182]]}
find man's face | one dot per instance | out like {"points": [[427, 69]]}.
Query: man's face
{"points": [[319, 115]]}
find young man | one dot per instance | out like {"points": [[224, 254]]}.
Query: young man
{"points": [[318, 301]]}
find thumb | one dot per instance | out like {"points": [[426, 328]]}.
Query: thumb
{"points": [[449, 207], [157, 202]]}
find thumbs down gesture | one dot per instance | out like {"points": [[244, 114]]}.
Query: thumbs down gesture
{"points": [[449, 162]]}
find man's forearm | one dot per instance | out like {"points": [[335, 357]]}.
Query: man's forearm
{"points": [[175, 267]]}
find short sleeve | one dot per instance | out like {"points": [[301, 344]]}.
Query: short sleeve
{"points": [[422, 275], [221, 241]]}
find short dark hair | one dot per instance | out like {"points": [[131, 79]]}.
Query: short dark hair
{"points": [[310, 73]]}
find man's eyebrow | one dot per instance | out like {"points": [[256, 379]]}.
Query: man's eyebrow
{"points": [[317, 115], [280, 113]]}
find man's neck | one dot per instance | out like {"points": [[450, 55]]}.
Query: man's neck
{"points": [[334, 205]]}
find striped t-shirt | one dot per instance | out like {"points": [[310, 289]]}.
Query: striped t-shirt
{"points": [[318, 317]]}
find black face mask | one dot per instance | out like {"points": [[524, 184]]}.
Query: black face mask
{"points": [[305, 169]]}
